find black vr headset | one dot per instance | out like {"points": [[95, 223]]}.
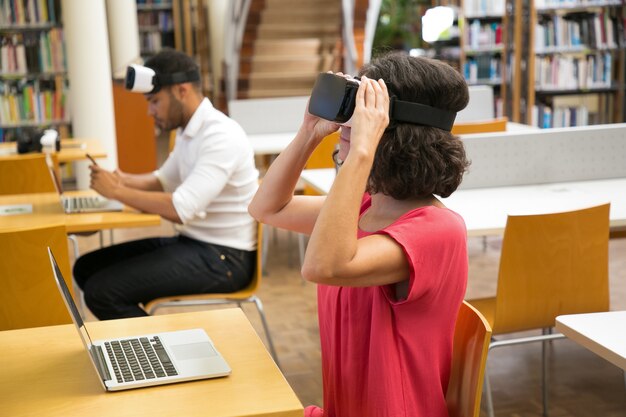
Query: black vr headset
{"points": [[333, 98], [145, 80]]}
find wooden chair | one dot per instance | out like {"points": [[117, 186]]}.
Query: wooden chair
{"points": [[29, 296], [322, 157], [480, 126], [469, 357], [25, 174], [246, 295], [551, 264]]}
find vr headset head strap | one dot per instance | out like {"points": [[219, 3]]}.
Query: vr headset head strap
{"points": [[421, 114], [162, 80]]}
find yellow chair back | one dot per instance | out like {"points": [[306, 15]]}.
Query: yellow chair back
{"points": [[469, 357], [25, 174], [552, 264], [480, 126], [322, 157], [29, 296]]}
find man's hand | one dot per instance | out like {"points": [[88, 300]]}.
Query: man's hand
{"points": [[106, 183]]}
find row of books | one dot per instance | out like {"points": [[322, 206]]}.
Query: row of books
{"points": [[546, 117], [29, 12], [556, 4], [475, 8], [577, 110], [151, 42], [33, 102], [583, 30], [483, 35], [161, 20], [573, 73], [164, 2], [483, 69], [32, 52]]}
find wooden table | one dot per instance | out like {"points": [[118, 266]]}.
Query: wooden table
{"points": [[71, 150], [485, 210], [47, 209], [46, 371], [602, 333]]}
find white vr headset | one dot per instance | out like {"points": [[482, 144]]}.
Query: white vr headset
{"points": [[145, 80]]}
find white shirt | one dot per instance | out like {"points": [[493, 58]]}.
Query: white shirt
{"points": [[212, 178]]}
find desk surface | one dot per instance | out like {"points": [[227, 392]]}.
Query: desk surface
{"points": [[71, 149], [601, 333], [485, 210], [46, 209], [30, 358]]}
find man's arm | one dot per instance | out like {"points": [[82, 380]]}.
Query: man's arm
{"points": [[142, 192], [145, 182]]}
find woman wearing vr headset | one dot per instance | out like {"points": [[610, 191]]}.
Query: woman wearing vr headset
{"points": [[390, 259]]}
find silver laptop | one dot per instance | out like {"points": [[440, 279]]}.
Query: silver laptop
{"points": [[89, 204], [146, 360], [84, 204]]}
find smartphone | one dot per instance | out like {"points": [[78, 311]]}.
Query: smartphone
{"points": [[93, 161]]}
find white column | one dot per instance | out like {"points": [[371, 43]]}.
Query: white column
{"points": [[123, 35], [89, 72], [218, 18]]}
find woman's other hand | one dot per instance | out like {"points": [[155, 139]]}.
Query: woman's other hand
{"points": [[371, 116]]}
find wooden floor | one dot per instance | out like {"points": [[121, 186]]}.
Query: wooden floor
{"points": [[581, 385]]}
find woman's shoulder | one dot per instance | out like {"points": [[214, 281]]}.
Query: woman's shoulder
{"points": [[430, 219]]}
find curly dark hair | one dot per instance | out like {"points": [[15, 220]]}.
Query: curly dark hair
{"points": [[169, 61], [414, 161]]}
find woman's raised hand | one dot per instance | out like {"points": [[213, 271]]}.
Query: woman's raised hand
{"points": [[371, 116]]}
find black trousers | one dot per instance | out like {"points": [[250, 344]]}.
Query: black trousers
{"points": [[116, 279]]}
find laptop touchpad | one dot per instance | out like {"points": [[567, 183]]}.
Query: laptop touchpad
{"points": [[193, 351]]}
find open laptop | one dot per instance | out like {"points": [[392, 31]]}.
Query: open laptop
{"points": [[89, 204], [84, 203], [145, 360]]}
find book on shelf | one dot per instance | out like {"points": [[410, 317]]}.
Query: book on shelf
{"points": [[482, 68], [483, 35], [477, 8], [578, 31], [576, 110], [34, 101], [29, 12], [32, 52], [592, 71]]}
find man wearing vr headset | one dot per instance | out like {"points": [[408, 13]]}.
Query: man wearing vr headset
{"points": [[390, 259], [204, 188]]}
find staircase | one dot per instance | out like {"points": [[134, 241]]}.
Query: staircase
{"points": [[286, 45]]}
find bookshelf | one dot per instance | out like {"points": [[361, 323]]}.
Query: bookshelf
{"points": [[179, 24], [577, 63], [33, 79], [155, 21], [484, 47]]}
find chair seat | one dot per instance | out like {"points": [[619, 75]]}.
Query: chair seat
{"points": [[239, 295]]}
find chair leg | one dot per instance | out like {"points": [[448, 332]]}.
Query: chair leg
{"points": [[79, 293], [259, 307], [488, 397], [544, 371]]}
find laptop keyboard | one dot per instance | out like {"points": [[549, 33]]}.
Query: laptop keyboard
{"points": [[77, 204], [139, 359]]}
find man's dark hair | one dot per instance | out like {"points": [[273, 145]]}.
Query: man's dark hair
{"points": [[414, 161], [169, 61]]}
